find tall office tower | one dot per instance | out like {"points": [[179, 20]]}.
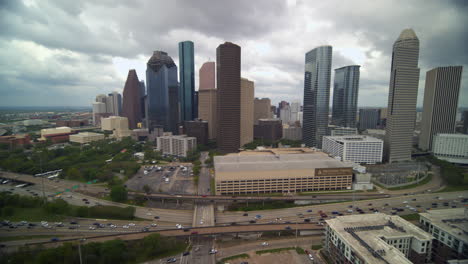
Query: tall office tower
{"points": [[369, 118], [114, 103], [99, 108], [101, 98], [207, 97], [345, 96], [131, 107], [247, 111], [316, 95], [273, 111], [440, 103], [281, 105], [403, 92], [295, 108], [465, 122], [143, 99], [262, 109], [162, 93], [187, 81], [285, 114], [228, 64]]}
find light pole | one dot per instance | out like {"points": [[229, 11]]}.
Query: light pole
{"points": [[42, 176]]}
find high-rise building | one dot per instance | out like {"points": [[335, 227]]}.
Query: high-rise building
{"points": [[440, 103], [465, 122], [131, 107], [316, 95], [345, 96], [403, 92], [195, 103], [101, 98], [174, 145], [285, 114], [114, 103], [207, 99], [369, 118], [262, 109], [292, 132], [143, 101], [281, 105], [187, 81], [295, 108], [247, 111], [197, 128], [228, 64], [162, 93], [356, 148], [99, 108]]}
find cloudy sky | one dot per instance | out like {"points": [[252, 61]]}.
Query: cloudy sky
{"points": [[63, 53]]}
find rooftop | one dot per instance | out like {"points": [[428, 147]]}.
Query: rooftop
{"points": [[364, 234], [453, 135], [453, 221], [88, 134], [354, 138]]}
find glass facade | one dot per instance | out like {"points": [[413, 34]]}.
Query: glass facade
{"points": [[162, 93], [187, 81], [316, 95], [345, 96]]}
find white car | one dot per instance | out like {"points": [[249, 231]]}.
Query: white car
{"points": [[405, 202], [131, 224], [311, 257], [213, 251], [92, 228], [113, 226], [148, 213], [265, 244], [125, 226], [154, 225]]}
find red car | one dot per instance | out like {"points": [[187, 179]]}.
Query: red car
{"points": [[194, 233], [203, 195]]}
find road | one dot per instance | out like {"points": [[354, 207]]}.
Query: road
{"points": [[204, 211]]}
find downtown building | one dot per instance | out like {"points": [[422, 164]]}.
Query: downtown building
{"points": [[176, 145], [357, 149], [280, 170], [268, 130], [207, 99], [345, 96], [114, 103], [131, 106], [449, 229], [247, 111], [441, 95], [376, 239], [228, 64], [342, 131], [316, 95], [262, 109], [369, 118], [162, 93], [188, 107], [197, 128], [403, 92], [451, 147], [292, 132]]}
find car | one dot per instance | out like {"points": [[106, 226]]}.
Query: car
{"points": [[125, 226], [86, 202], [131, 224], [186, 229], [244, 262], [311, 257], [145, 229], [245, 214], [54, 239], [154, 225], [72, 223], [287, 228], [72, 227], [194, 233], [113, 226], [204, 195], [252, 221], [212, 251], [171, 260], [309, 211], [265, 244], [307, 220], [186, 253], [92, 228], [405, 202], [156, 217]]}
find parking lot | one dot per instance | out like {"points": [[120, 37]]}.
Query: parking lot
{"points": [[173, 179]]}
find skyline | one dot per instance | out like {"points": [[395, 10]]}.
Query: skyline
{"points": [[273, 47]]}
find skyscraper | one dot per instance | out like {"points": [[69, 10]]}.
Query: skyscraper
{"points": [[345, 96], [403, 91], [440, 103], [114, 103], [316, 95], [162, 93], [131, 107], [262, 109], [369, 118], [207, 100], [143, 102], [285, 114], [247, 111], [295, 109], [187, 81], [228, 63]]}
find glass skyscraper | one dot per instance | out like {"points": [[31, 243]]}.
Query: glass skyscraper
{"points": [[345, 96], [162, 93], [316, 95], [187, 81]]}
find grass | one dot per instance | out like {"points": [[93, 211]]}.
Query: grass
{"points": [[426, 180], [300, 251], [212, 186], [33, 215], [411, 217], [457, 188], [240, 256], [316, 247], [275, 250], [14, 238]]}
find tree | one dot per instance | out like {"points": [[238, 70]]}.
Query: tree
{"points": [[118, 193], [147, 189]]}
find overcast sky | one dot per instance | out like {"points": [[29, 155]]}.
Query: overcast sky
{"points": [[64, 53]]}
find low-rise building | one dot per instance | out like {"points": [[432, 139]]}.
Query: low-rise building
{"points": [[376, 239], [197, 128], [72, 123], [118, 125], [450, 230], [176, 145], [356, 148], [15, 141], [86, 137], [56, 135], [280, 170], [451, 147]]}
